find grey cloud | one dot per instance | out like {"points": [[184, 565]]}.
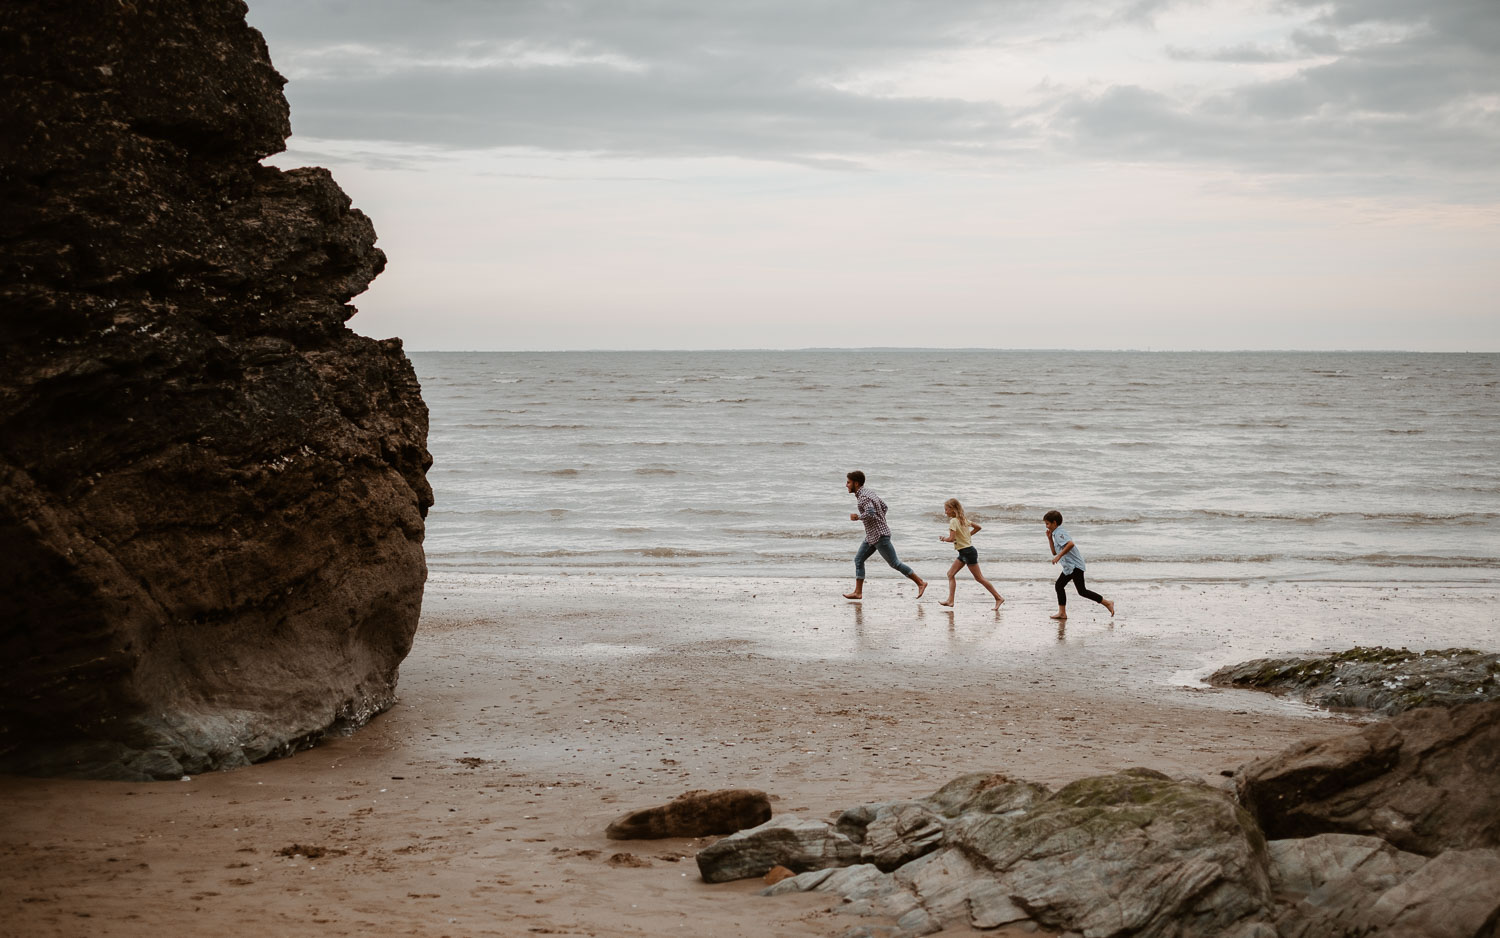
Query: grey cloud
{"points": [[760, 80], [1243, 54], [1398, 113]]}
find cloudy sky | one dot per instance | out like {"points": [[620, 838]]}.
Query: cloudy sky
{"points": [[993, 173]]}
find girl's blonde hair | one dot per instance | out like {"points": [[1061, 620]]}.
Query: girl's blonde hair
{"points": [[958, 511]]}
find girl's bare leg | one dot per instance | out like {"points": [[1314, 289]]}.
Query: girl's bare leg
{"points": [[974, 569], [953, 581]]}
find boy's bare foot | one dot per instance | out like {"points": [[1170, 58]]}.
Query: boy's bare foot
{"points": [[1110, 605], [921, 587], [1058, 615], [944, 602], [853, 596]]}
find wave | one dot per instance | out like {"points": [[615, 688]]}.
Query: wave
{"points": [[1092, 516], [654, 471]]}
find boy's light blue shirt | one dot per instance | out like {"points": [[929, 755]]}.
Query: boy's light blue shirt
{"points": [[1072, 560]]}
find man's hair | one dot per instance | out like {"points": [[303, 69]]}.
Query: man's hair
{"points": [[857, 477], [1053, 516]]}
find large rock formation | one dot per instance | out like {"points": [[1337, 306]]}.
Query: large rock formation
{"points": [[1130, 854], [211, 492], [1426, 781]]}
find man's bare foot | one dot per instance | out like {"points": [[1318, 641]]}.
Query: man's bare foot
{"points": [[1110, 605], [921, 587], [944, 602], [853, 596], [1059, 615]]}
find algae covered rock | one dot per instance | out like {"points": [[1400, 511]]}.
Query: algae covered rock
{"points": [[1383, 680]]}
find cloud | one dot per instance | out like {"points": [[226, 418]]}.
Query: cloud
{"points": [[1382, 89]]}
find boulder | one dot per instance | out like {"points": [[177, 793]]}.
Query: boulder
{"points": [[1425, 781], [1134, 853], [695, 814], [212, 492], [1384, 680]]}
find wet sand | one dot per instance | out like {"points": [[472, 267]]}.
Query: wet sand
{"points": [[534, 710]]}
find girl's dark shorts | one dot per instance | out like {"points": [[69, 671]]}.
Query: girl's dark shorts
{"points": [[968, 555]]}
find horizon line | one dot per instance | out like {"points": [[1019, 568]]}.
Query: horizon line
{"points": [[971, 348]]}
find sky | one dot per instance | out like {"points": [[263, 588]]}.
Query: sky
{"points": [[680, 174]]}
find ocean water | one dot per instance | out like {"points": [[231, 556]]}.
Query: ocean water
{"points": [[1333, 467]]}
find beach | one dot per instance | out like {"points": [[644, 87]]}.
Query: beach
{"points": [[536, 709]]}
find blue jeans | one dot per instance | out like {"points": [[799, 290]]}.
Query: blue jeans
{"points": [[886, 551]]}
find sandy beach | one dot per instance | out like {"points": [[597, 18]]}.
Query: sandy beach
{"points": [[534, 710]]}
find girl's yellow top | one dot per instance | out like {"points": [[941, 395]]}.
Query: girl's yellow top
{"points": [[961, 538]]}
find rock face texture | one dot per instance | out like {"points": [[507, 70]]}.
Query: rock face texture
{"points": [[1426, 781], [1385, 680], [212, 493]]}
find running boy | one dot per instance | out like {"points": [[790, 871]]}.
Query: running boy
{"points": [[1063, 550]]}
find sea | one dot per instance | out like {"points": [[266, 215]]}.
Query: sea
{"points": [[1356, 467]]}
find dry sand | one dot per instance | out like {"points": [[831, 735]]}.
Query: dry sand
{"points": [[534, 710]]}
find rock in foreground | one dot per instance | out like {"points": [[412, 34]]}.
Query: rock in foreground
{"points": [[1135, 853], [1130, 854], [1425, 781], [212, 493]]}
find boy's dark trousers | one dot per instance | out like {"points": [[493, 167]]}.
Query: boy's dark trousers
{"points": [[1077, 577]]}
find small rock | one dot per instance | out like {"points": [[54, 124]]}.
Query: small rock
{"points": [[694, 814]]}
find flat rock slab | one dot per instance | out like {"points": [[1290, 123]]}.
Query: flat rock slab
{"points": [[1383, 680], [695, 814]]}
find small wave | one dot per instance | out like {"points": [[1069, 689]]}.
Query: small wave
{"points": [[655, 471], [1410, 432], [717, 400], [560, 472], [813, 535], [506, 380], [1415, 560], [666, 552]]}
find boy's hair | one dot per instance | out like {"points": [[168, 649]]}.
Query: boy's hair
{"points": [[857, 477], [958, 511], [1053, 516]]}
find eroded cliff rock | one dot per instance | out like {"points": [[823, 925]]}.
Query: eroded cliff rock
{"points": [[212, 492]]}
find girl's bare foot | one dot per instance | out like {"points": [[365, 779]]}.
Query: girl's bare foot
{"points": [[998, 601], [1059, 615], [1110, 605]]}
